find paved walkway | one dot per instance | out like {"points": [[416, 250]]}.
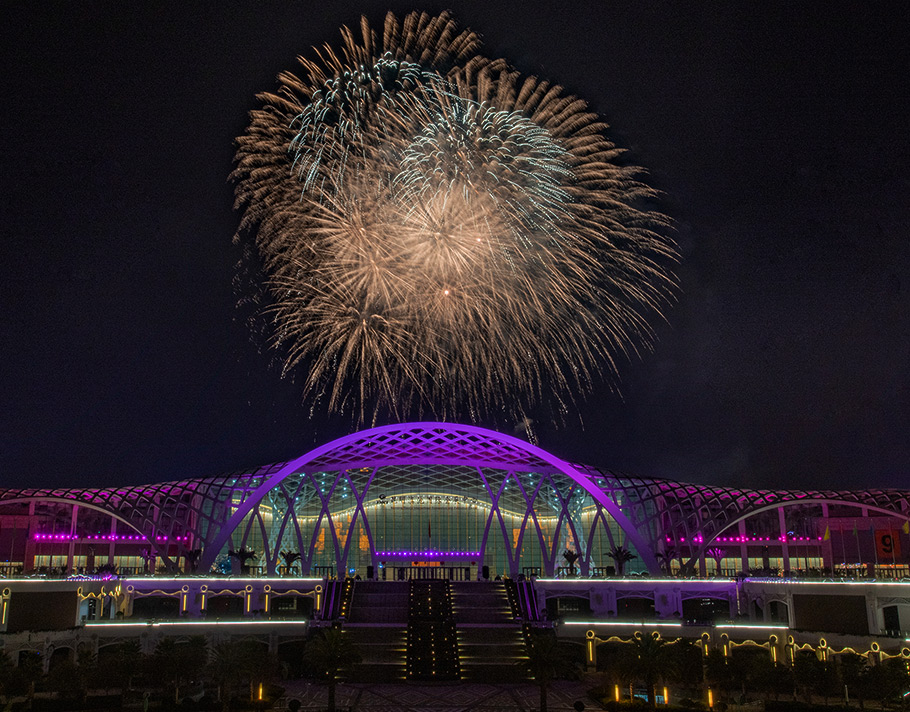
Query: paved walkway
{"points": [[450, 697]]}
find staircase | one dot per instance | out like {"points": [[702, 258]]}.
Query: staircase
{"points": [[376, 622], [427, 629], [490, 641], [432, 643]]}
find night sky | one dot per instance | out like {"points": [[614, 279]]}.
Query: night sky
{"points": [[778, 133]]}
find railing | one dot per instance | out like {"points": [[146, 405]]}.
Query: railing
{"points": [[410, 573], [326, 572]]}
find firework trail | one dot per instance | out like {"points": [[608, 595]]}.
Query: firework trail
{"points": [[440, 235]]}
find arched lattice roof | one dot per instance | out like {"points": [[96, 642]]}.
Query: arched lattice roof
{"points": [[646, 509], [692, 512], [430, 443]]}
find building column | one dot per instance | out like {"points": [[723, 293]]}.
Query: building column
{"points": [[873, 561], [28, 562], [784, 542], [743, 547], [71, 546], [112, 544], [668, 604], [872, 613], [827, 550], [602, 602]]}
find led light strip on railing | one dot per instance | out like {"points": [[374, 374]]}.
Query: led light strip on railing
{"points": [[137, 580], [676, 624], [627, 624], [804, 582], [638, 580], [157, 624]]}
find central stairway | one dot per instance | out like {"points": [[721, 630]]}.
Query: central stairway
{"points": [[432, 644], [433, 629], [377, 624], [490, 640]]}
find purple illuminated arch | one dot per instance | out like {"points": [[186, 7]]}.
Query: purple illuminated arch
{"points": [[428, 443]]}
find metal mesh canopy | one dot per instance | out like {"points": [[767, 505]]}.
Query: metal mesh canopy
{"points": [[666, 511], [356, 493]]}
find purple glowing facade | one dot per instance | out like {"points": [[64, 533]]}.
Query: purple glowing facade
{"points": [[442, 494]]}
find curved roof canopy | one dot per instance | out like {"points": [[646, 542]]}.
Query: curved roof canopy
{"points": [[650, 512], [429, 443]]}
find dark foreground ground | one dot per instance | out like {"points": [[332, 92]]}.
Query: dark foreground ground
{"points": [[450, 697]]}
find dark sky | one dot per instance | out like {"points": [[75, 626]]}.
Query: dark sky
{"points": [[779, 134]]}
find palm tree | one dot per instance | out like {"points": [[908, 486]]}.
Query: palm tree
{"points": [[666, 558], [7, 674], [70, 678], [718, 555], [244, 556], [852, 670], [289, 558], [27, 674], [621, 556], [179, 662], [886, 680], [684, 665], [545, 662], [107, 570], [125, 663], [720, 674], [807, 671], [236, 662], [650, 661], [222, 670], [192, 560], [329, 653], [571, 557]]}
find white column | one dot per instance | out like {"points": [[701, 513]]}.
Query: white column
{"points": [[71, 548], [743, 547], [784, 547]]}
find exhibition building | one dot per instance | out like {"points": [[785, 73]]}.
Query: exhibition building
{"points": [[342, 533]]}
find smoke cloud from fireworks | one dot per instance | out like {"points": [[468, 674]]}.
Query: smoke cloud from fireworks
{"points": [[440, 236]]}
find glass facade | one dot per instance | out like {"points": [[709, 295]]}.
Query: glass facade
{"points": [[429, 495], [395, 516]]}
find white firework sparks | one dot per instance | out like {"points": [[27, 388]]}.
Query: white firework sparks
{"points": [[441, 236]]}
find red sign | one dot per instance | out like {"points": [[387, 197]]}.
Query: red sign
{"points": [[888, 545]]}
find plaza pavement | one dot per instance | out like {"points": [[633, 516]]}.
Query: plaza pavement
{"points": [[447, 697]]}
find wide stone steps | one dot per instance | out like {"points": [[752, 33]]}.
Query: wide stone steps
{"points": [[490, 642], [377, 623], [474, 618]]}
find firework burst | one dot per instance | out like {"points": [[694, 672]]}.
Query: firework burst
{"points": [[440, 235]]}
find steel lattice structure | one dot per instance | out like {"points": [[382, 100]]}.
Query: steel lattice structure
{"points": [[329, 504]]}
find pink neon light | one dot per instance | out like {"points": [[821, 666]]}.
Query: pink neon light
{"points": [[105, 537], [429, 554], [742, 539]]}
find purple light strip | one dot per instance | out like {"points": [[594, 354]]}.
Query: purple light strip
{"points": [[739, 539], [105, 537], [430, 554]]}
